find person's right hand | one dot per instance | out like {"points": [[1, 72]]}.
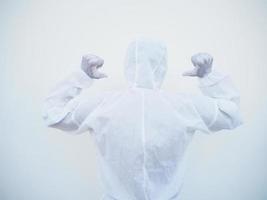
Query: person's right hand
{"points": [[202, 65], [91, 64]]}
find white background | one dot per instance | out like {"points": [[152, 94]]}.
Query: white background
{"points": [[41, 42]]}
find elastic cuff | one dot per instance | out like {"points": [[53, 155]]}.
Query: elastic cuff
{"points": [[82, 80], [210, 79], [215, 115]]}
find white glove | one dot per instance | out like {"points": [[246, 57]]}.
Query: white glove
{"points": [[90, 65], [202, 65]]}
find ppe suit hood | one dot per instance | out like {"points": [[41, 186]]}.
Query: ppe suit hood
{"points": [[146, 63]]}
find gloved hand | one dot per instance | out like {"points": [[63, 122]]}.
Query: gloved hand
{"points": [[90, 65], [202, 65]]}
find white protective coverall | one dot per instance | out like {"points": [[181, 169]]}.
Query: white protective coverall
{"points": [[142, 132]]}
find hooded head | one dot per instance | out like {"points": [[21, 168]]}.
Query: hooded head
{"points": [[146, 63]]}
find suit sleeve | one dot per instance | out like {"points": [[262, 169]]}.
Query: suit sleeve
{"points": [[64, 109], [218, 107]]}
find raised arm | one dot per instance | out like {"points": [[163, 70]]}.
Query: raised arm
{"points": [[219, 105], [63, 109]]}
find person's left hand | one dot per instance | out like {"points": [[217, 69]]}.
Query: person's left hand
{"points": [[202, 65]]}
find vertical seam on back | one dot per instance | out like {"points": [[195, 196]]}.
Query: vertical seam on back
{"points": [[143, 142]]}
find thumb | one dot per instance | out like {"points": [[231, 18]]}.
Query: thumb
{"points": [[190, 73], [98, 75], [102, 75]]}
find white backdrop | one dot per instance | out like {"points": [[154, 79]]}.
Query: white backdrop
{"points": [[42, 42]]}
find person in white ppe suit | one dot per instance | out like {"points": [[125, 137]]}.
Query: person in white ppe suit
{"points": [[142, 132]]}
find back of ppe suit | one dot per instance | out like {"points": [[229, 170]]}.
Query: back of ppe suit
{"points": [[142, 132]]}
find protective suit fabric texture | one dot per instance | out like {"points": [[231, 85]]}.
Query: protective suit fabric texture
{"points": [[146, 63], [142, 133]]}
